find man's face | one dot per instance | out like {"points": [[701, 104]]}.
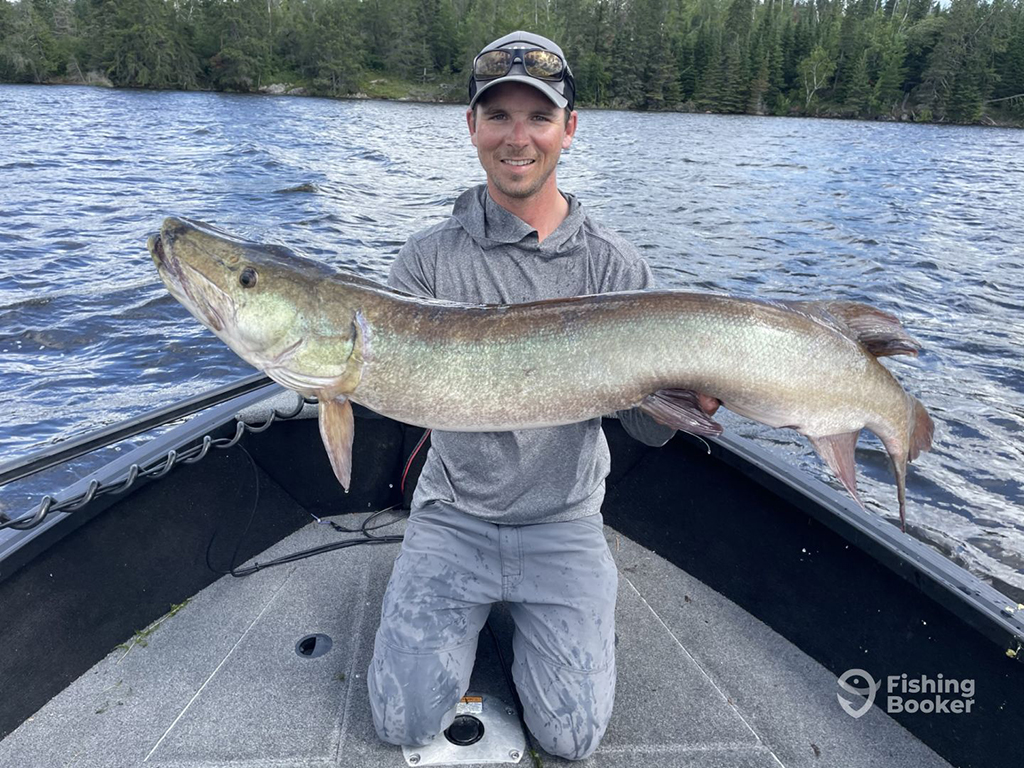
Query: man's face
{"points": [[519, 135]]}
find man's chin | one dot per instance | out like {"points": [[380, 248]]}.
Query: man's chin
{"points": [[521, 188]]}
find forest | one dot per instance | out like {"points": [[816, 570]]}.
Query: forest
{"points": [[954, 62]]}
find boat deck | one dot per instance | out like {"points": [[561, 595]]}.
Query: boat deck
{"points": [[219, 683]]}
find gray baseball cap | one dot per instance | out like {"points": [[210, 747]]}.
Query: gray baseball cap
{"points": [[561, 92]]}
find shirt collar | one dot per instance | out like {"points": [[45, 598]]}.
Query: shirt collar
{"points": [[501, 226]]}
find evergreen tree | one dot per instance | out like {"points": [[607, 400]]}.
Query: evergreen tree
{"points": [[145, 45], [27, 46], [235, 43], [1009, 88], [888, 92], [859, 92], [734, 88]]}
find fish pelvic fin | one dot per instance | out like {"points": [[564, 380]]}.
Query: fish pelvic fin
{"points": [[680, 409], [337, 428], [838, 452], [880, 332]]}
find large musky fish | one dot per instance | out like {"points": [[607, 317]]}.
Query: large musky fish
{"points": [[810, 366]]}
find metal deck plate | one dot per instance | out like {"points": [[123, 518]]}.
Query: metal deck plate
{"points": [[503, 740]]}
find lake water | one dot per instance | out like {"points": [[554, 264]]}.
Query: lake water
{"points": [[925, 221]]}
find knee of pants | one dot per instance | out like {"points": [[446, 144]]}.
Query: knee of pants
{"points": [[566, 711], [569, 739], [413, 696]]}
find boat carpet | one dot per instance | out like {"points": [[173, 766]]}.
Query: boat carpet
{"points": [[220, 683]]}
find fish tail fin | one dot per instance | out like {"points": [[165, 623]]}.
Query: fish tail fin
{"points": [[903, 449], [922, 428]]}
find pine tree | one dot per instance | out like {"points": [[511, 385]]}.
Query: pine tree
{"points": [[27, 45], [859, 91], [144, 44], [888, 90], [734, 63], [238, 43]]}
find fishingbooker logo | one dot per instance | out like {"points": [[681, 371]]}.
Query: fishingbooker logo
{"points": [[923, 694]]}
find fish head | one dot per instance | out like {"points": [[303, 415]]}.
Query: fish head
{"points": [[262, 300]]}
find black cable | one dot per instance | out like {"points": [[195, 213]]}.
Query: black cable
{"points": [[364, 529], [302, 555], [248, 524]]}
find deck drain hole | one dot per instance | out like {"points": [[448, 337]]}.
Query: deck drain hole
{"points": [[312, 646], [464, 730]]}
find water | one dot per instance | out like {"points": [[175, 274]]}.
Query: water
{"points": [[924, 221]]}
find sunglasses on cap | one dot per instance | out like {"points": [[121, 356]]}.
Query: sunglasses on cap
{"points": [[544, 65]]}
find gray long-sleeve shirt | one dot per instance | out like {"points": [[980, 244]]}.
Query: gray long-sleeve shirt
{"points": [[486, 254]]}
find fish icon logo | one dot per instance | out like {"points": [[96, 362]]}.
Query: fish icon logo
{"points": [[867, 692]]}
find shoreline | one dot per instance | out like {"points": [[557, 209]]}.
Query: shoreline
{"points": [[410, 96]]}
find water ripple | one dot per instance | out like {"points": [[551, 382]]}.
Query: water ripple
{"points": [[922, 220]]}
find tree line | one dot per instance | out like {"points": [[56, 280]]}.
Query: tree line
{"points": [[960, 61]]}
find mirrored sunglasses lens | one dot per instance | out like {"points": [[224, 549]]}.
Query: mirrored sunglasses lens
{"points": [[493, 64], [543, 64]]}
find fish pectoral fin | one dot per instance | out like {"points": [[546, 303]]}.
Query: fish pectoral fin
{"points": [[680, 409], [880, 332], [337, 428], [838, 452]]}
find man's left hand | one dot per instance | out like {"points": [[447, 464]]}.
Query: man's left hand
{"points": [[708, 404]]}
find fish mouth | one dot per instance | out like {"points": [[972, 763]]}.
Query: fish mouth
{"points": [[156, 248], [200, 295]]}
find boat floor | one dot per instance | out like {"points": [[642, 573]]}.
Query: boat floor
{"points": [[219, 683]]}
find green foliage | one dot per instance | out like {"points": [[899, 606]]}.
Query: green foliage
{"points": [[961, 61], [858, 89], [816, 74], [888, 91], [144, 44]]}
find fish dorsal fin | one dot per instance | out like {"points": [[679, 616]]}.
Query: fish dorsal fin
{"points": [[680, 409], [880, 332], [337, 428]]}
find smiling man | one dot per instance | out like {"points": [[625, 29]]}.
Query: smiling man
{"points": [[510, 516]]}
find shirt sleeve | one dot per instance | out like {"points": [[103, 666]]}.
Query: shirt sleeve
{"points": [[637, 276], [410, 272]]}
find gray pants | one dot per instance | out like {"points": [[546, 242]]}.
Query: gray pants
{"points": [[560, 583]]}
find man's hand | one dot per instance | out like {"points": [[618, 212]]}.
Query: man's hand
{"points": [[708, 404]]}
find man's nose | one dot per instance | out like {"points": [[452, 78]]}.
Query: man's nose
{"points": [[519, 133]]}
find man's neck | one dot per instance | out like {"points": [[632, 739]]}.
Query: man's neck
{"points": [[543, 211]]}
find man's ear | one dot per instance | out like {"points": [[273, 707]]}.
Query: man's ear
{"points": [[570, 130], [471, 122]]}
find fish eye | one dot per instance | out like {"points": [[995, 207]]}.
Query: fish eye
{"points": [[248, 277]]}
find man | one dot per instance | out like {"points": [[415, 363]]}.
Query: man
{"points": [[510, 516]]}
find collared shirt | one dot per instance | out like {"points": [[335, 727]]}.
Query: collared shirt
{"points": [[486, 254]]}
